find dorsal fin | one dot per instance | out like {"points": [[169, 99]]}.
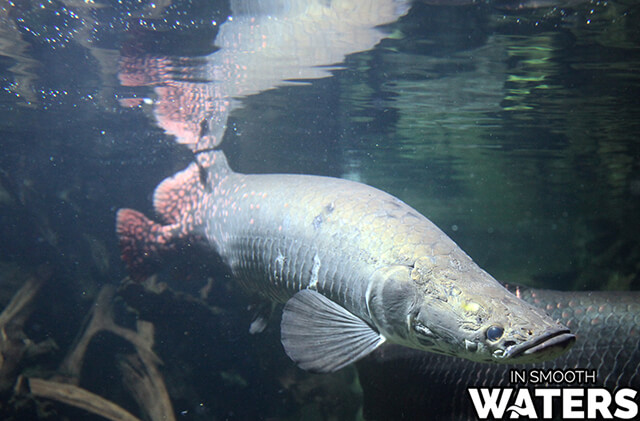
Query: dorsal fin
{"points": [[182, 192], [212, 161], [178, 193]]}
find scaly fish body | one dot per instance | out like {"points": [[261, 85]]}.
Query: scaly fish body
{"points": [[355, 265]]}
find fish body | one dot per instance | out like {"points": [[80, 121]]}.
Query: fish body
{"points": [[355, 266]]}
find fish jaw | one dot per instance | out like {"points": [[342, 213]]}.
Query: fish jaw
{"points": [[546, 347], [527, 334], [466, 313]]}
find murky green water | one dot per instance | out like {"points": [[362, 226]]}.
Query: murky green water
{"points": [[514, 130], [514, 127]]}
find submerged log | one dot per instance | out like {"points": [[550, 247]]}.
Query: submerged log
{"points": [[101, 319], [140, 370], [14, 343], [80, 398]]}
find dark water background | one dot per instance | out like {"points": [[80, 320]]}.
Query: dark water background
{"points": [[515, 129]]}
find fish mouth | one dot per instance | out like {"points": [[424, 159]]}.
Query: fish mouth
{"points": [[545, 347]]}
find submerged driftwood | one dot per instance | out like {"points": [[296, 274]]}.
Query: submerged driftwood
{"points": [[212, 360], [140, 370], [14, 343], [140, 373], [80, 398]]}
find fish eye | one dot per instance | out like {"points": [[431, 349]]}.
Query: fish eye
{"points": [[494, 333]]}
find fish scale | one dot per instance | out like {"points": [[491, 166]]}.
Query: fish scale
{"points": [[309, 239]]}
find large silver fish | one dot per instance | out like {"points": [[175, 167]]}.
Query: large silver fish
{"points": [[355, 266]]}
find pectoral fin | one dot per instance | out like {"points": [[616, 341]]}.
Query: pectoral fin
{"points": [[322, 336]]}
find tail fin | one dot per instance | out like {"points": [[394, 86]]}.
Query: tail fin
{"points": [[181, 202], [143, 242]]}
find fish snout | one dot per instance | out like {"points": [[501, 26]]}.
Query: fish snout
{"points": [[546, 346]]}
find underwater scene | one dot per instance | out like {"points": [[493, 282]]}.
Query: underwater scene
{"points": [[217, 209]]}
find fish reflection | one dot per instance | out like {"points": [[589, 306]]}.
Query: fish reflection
{"points": [[263, 45]]}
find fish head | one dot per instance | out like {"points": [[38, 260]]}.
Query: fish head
{"points": [[467, 313]]}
